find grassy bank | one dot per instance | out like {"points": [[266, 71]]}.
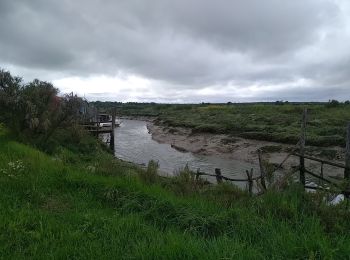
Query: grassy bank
{"points": [[279, 122], [74, 205]]}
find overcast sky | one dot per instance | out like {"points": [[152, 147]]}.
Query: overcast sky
{"points": [[181, 50]]}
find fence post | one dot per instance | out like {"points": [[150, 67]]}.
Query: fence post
{"points": [[111, 143], [218, 175], [250, 180], [262, 170], [347, 160], [98, 123], [347, 154], [302, 147], [197, 174]]}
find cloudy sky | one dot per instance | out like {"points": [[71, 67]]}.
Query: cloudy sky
{"points": [[181, 50]]}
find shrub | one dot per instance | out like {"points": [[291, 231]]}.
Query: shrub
{"points": [[34, 110], [184, 181], [150, 175], [332, 103]]}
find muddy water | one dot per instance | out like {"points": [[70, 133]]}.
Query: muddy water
{"points": [[134, 143]]}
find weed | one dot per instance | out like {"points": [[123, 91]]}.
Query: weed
{"points": [[151, 174]]}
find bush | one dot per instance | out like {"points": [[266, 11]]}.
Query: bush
{"points": [[332, 103], [34, 110]]}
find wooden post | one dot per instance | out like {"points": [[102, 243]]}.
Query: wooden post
{"points": [[262, 170], [347, 161], [111, 144], [347, 154], [218, 175], [250, 181], [302, 147], [197, 174], [98, 123]]}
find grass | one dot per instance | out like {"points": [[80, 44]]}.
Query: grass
{"points": [[58, 206], [278, 122]]}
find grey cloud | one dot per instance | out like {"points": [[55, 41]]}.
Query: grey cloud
{"points": [[185, 44]]}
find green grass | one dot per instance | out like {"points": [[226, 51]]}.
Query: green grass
{"points": [[97, 207], [326, 125]]}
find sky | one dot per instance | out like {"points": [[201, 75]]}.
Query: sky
{"points": [[181, 51]]}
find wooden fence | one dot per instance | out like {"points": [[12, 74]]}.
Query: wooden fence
{"points": [[219, 178], [301, 168]]}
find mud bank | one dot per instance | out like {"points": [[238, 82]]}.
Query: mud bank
{"points": [[236, 148]]}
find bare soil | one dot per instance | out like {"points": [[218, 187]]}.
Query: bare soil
{"points": [[237, 148]]}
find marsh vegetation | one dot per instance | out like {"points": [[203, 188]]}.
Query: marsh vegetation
{"points": [[278, 122]]}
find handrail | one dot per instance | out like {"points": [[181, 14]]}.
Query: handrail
{"points": [[321, 178], [320, 160]]}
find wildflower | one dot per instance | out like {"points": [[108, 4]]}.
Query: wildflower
{"points": [[13, 169]]}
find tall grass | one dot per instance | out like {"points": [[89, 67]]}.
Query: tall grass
{"points": [[100, 208]]}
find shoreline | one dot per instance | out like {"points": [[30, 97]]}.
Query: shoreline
{"points": [[236, 148]]}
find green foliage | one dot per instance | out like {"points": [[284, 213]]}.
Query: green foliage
{"points": [[99, 208], [150, 175], [34, 111], [326, 125], [333, 103], [184, 182]]}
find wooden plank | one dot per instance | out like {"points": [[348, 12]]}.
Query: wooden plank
{"points": [[250, 180], [218, 175], [227, 178], [112, 142], [262, 170], [101, 131], [302, 147], [316, 188]]}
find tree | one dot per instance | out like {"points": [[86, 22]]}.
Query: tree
{"points": [[35, 109], [11, 103]]}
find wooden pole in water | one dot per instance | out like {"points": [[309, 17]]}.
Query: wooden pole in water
{"points": [[302, 147], [262, 170], [347, 154], [111, 143], [218, 175], [250, 181]]}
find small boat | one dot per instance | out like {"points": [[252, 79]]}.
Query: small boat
{"points": [[109, 123]]}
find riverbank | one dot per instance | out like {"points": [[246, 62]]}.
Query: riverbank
{"points": [[237, 148], [274, 122], [90, 206]]}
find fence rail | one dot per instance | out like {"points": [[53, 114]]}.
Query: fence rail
{"points": [[320, 160], [226, 178]]}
